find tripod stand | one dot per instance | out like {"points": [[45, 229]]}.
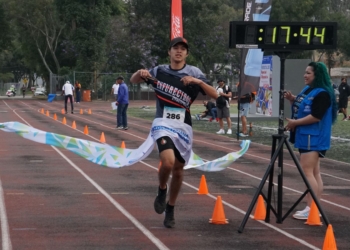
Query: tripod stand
{"points": [[281, 138]]}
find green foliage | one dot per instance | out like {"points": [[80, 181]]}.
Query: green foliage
{"points": [[45, 36]]}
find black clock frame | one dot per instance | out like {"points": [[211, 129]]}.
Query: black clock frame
{"points": [[239, 35]]}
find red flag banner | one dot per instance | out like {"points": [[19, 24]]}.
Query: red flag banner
{"points": [[176, 19], [254, 10]]}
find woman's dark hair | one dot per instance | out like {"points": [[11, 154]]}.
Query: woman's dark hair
{"points": [[322, 80]]}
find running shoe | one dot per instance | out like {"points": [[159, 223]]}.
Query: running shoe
{"points": [[221, 132], [160, 201], [169, 220], [301, 216]]}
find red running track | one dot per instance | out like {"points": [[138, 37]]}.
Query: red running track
{"points": [[53, 199]]}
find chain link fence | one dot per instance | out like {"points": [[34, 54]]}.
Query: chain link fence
{"points": [[100, 85]]}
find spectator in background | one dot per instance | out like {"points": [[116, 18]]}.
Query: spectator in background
{"points": [[67, 91], [344, 92], [122, 103], [210, 110], [77, 87], [223, 106], [244, 104], [115, 89], [23, 90]]}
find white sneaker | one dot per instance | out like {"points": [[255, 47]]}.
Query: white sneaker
{"points": [[301, 216], [221, 132], [242, 135], [229, 132], [306, 209]]}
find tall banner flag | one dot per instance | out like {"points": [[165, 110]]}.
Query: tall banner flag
{"points": [[176, 19], [251, 59]]}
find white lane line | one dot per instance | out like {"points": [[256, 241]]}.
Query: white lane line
{"points": [[137, 224], [144, 230], [251, 216], [290, 189], [5, 235], [263, 158]]}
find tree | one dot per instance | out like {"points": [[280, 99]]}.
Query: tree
{"points": [[38, 21]]}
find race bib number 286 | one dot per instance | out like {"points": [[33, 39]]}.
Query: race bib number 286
{"points": [[174, 113]]}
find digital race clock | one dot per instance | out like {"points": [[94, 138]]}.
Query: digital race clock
{"points": [[283, 35]]}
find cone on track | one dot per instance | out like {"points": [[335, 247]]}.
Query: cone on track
{"points": [[63, 111], [42, 111], [47, 113], [329, 240], [74, 125], [260, 209], [218, 214], [86, 130], [89, 112], [122, 145], [64, 120], [81, 111], [102, 138], [203, 189], [314, 216], [54, 116]]}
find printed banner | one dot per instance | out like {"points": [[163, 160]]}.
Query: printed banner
{"points": [[116, 157], [263, 97], [176, 29], [251, 59]]}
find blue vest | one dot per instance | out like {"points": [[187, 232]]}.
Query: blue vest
{"points": [[315, 136]]}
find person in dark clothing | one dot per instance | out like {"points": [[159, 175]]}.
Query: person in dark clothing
{"points": [[210, 110], [344, 92], [122, 103]]}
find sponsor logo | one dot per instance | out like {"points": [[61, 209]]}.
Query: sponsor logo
{"points": [[248, 9], [176, 26], [176, 94]]}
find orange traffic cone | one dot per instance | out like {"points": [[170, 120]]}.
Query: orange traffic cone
{"points": [[89, 112], [54, 116], [260, 209], [64, 120], [63, 111], [122, 145], [74, 125], [102, 138], [86, 130], [218, 214], [42, 111], [329, 240], [81, 111], [47, 113], [314, 216], [203, 189]]}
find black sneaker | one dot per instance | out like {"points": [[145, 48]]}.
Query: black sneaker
{"points": [[169, 220], [160, 201]]}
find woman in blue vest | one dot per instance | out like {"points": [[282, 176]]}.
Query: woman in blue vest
{"points": [[314, 111]]}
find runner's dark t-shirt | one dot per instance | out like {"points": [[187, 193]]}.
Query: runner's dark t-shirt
{"points": [[170, 90]]}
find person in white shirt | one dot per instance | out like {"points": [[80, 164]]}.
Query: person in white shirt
{"points": [[115, 89], [67, 91]]}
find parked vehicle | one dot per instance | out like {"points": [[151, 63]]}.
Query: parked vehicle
{"points": [[11, 92]]}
